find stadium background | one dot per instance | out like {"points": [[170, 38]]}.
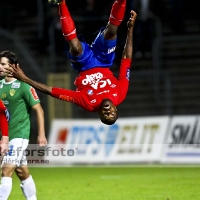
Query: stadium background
{"points": [[163, 83]]}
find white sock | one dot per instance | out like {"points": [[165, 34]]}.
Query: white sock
{"points": [[5, 187], [28, 188]]}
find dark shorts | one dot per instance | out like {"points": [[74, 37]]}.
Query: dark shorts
{"points": [[100, 53]]}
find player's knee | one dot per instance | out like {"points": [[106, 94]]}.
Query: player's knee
{"points": [[110, 31], [22, 174], [7, 171], [75, 47]]}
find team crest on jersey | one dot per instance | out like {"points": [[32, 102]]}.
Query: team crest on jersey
{"points": [[93, 101], [128, 74], [12, 92], [3, 96], [15, 85], [90, 92]]}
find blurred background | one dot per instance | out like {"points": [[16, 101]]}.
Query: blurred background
{"points": [[165, 74]]}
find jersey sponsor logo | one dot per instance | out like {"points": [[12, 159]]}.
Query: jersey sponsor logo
{"points": [[128, 74], [34, 94], [111, 50], [113, 86], [90, 92], [66, 98], [105, 91], [12, 92], [15, 85], [94, 80], [72, 61]]}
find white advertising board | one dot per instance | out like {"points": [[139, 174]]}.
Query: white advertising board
{"points": [[90, 141], [183, 140]]}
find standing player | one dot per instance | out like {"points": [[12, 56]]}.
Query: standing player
{"points": [[97, 88], [4, 117], [19, 98]]}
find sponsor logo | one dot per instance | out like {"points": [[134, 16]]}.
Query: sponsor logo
{"points": [[15, 85], [62, 137], [105, 91], [185, 134], [94, 80], [34, 94], [113, 86], [128, 74], [93, 140], [111, 50], [136, 139], [184, 139], [66, 98], [72, 61]]}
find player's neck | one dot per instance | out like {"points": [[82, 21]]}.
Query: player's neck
{"points": [[9, 78]]}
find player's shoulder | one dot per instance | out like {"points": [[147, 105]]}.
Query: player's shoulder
{"points": [[22, 84]]}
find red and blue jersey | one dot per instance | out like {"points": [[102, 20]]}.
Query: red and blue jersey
{"points": [[3, 120], [100, 53], [96, 84]]}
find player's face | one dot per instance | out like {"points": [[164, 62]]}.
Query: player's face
{"points": [[3, 63], [107, 111]]}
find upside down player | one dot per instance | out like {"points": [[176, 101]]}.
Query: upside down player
{"points": [[97, 88], [4, 117]]}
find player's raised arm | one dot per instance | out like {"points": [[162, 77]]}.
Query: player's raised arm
{"points": [[18, 73], [128, 48]]}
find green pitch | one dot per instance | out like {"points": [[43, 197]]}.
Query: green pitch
{"points": [[114, 183]]}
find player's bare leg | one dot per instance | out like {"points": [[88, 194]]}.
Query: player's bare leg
{"points": [[6, 180], [115, 19], [69, 29], [27, 183]]}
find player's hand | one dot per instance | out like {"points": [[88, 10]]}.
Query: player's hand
{"points": [[132, 19], [41, 140], [15, 71], [4, 145]]}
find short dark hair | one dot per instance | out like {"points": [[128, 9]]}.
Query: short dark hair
{"points": [[12, 58]]}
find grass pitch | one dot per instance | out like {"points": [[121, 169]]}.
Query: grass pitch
{"points": [[114, 183]]}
